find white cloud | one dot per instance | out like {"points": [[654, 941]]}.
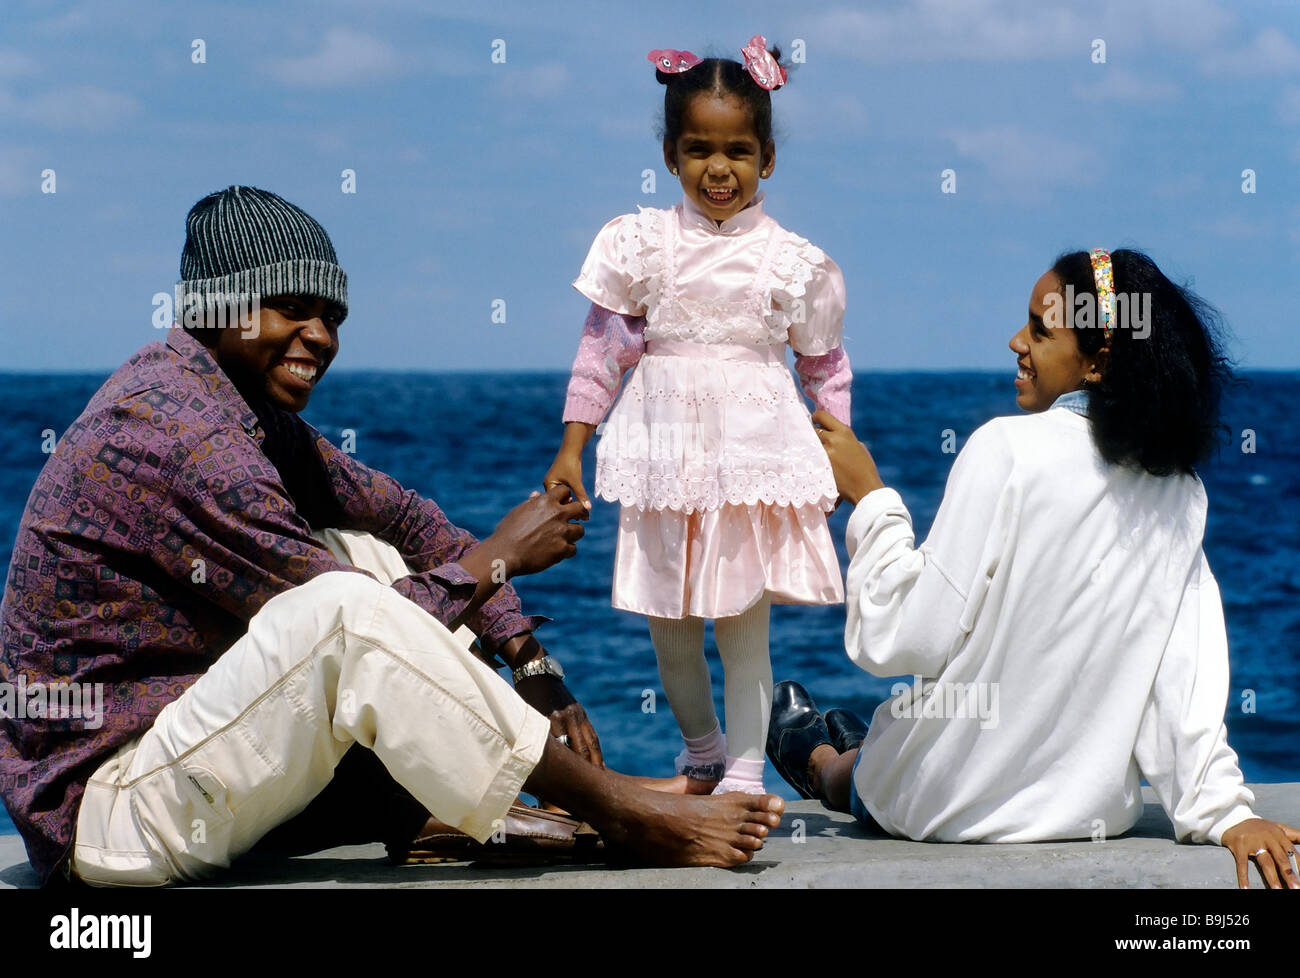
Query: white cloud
{"points": [[1288, 106], [345, 57], [1174, 186], [1017, 31], [1022, 164], [20, 171], [113, 213], [951, 30], [817, 116], [78, 107], [15, 63], [1270, 52], [1121, 85], [68, 21], [547, 80], [1237, 227], [1190, 25]]}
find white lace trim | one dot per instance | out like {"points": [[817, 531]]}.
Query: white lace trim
{"points": [[710, 321], [768, 399], [649, 490], [640, 242], [793, 267]]}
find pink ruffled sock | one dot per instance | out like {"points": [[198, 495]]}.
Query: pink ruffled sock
{"points": [[704, 757], [742, 775]]}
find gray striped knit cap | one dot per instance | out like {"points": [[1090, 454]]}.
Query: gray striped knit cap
{"points": [[242, 241]]}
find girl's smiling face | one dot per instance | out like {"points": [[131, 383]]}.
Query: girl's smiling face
{"points": [[1047, 351], [718, 156]]}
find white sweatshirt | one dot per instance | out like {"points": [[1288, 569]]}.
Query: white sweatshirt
{"points": [[1076, 597]]}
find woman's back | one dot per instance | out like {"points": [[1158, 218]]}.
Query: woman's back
{"points": [[1064, 606]]}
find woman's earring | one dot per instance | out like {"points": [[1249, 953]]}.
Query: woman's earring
{"points": [[674, 171]]}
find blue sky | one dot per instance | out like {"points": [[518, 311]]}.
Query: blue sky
{"points": [[478, 181]]}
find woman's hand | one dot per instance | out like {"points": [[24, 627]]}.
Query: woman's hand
{"points": [[1271, 845], [854, 468]]}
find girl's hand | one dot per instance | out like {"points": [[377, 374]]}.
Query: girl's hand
{"points": [[535, 535], [1271, 845], [566, 470], [854, 468]]}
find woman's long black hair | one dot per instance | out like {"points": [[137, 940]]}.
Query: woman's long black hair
{"points": [[1157, 404]]}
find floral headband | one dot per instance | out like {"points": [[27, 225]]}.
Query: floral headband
{"points": [[762, 67], [1103, 276]]}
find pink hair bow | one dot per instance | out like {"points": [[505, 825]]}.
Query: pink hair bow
{"points": [[762, 67], [672, 62]]}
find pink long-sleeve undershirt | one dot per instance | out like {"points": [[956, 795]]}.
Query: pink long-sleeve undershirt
{"points": [[612, 343]]}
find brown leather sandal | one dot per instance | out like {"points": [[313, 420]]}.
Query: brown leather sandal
{"points": [[528, 836]]}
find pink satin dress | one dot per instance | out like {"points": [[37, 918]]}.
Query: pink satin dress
{"points": [[710, 449]]}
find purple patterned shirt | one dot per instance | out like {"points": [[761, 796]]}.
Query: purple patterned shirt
{"points": [[167, 466]]}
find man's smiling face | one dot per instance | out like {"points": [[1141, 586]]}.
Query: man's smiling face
{"points": [[283, 359]]}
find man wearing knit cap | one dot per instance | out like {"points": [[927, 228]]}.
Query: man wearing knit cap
{"points": [[281, 635]]}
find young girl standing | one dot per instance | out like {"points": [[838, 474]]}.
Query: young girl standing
{"points": [[723, 483]]}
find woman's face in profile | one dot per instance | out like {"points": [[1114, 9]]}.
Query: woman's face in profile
{"points": [[1047, 350]]}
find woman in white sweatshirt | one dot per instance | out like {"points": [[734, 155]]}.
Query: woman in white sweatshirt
{"points": [[1064, 630]]}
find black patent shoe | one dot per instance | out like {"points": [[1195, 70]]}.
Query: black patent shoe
{"points": [[847, 729], [795, 731]]}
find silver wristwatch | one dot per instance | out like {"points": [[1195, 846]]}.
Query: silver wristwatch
{"points": [[545, 666]]}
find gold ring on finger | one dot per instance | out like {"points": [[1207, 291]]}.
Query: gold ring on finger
{"points": [[1260, 851]]}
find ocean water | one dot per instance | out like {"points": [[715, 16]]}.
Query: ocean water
{"points": [[479, 443]]}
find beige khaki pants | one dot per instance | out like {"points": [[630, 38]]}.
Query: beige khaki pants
{"points": [[342, 659]]}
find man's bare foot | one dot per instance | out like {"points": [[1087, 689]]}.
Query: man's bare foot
{"points": [[679, 785], [655, 827], [663, 829]]}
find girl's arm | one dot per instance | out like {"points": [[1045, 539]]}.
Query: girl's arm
{"points": [[611, 344], [826, 380], [816, 309]]}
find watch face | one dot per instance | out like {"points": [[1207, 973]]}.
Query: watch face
{"points": [[545, 666]]}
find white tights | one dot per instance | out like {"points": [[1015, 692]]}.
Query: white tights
{"points": [[747, 693]]}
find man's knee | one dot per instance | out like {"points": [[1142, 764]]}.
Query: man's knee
{"points": [[318, 607]]}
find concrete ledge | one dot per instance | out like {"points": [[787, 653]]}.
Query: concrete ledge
{"points": [[834, 852]]}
